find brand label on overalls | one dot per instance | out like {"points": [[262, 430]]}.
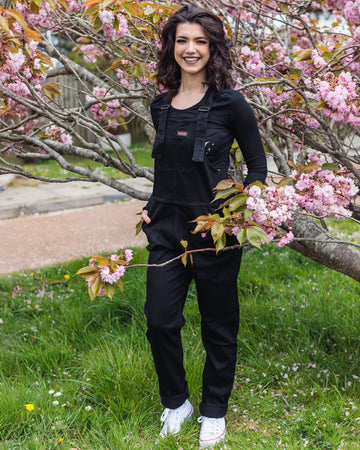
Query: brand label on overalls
{"points": [[182, 133]]}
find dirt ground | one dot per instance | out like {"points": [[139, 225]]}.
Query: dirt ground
{"points": [[30, 242]]}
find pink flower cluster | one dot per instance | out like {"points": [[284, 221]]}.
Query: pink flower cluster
{"points": [[325, 192], [41, 20], [352, 11], [276, 57], [275, 97], [109, 111], [339, 94], [320, 191], [272, 207], [252, 60], [107, 18], [108, 270], [110, 276], [90, 52], [58, 134]]}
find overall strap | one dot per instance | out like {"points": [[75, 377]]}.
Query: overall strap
{"points": [[160, 133], [201, 126]]}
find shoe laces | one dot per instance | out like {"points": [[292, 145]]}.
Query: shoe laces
{"points": [[211, 425], [164, 414], [170, 415]]}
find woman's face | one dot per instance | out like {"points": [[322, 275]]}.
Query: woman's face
{"points": [[192, 48]]}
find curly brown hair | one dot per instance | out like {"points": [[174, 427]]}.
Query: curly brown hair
{"points": [[218, 68]]}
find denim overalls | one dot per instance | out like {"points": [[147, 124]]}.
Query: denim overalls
{"points": [[183, 189]]}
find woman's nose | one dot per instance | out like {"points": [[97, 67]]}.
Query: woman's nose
{"points": [[190, 47]]}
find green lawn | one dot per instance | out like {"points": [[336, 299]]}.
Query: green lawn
{"points": [[141, 152], [297, 380]]}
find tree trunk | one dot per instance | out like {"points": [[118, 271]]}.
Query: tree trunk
{"points": [[325, 249]]}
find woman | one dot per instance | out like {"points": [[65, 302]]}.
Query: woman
{"points": [[196, 121]]}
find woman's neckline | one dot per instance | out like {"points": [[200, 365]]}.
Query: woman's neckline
{"points": [[195, 104]]}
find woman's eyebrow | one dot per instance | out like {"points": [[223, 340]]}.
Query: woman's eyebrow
{"points": [[186, 37]]}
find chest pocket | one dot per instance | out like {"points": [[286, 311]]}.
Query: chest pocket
{"points": [[178, 147]]}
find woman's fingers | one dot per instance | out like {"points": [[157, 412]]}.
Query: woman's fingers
{"points": [[144, 216]]}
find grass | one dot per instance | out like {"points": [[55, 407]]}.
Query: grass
{"points": [[297, 379], [50, 168]]}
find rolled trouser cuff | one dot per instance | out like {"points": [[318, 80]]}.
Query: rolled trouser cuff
{"points": [[213, 410], [174, 401]]}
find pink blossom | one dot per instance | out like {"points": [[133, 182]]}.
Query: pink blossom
{"points": [[316, 157], [58, 134], [90, 52], [254, 191], [128, 255], [352, 11], [16, 60], [106, 16], [110, 276], [286, 239], [92, 262], [74, 6]]}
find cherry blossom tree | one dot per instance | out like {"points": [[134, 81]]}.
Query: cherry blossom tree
{"points": [[297, 62]]}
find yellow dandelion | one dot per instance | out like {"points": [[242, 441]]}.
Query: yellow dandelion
{"points": [[67, 277], [29, 406], [70, 259], [60, 441]]}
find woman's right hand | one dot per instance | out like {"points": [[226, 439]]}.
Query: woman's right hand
{"points": [[144, 216]]}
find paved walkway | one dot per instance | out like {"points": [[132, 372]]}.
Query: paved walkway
{"points": [[50, 223]]}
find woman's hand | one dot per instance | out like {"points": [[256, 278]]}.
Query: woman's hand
{"points": [[144, 216]]}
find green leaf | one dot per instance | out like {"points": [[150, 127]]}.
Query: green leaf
{"points": [[102, 260], [34, 7], [237, 201], [304, 55], [95, 288], [110, 290], [241, 236], [330, 166], [225, 193], [284, 181], [296, 72], [138, 227], [184, 259], [84, 272], [184, 243], [120, 284], [97, 25], [217, 230], [4, 24], [284, 8], [149, 10], [201, 226], [255, 236], [220, 244], [224, 184], [258, 184], [247, 214], [310, 167]]}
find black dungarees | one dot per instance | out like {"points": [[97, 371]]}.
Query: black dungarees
{"points": [[191, 152]]}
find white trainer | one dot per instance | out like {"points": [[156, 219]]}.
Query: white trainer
{"points": [[174, 418], [212, 431]]}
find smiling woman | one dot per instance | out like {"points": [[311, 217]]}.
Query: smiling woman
{"points": [[197, 119]]}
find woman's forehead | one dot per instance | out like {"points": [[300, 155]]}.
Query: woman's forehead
{"points": [[190, 29]]}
